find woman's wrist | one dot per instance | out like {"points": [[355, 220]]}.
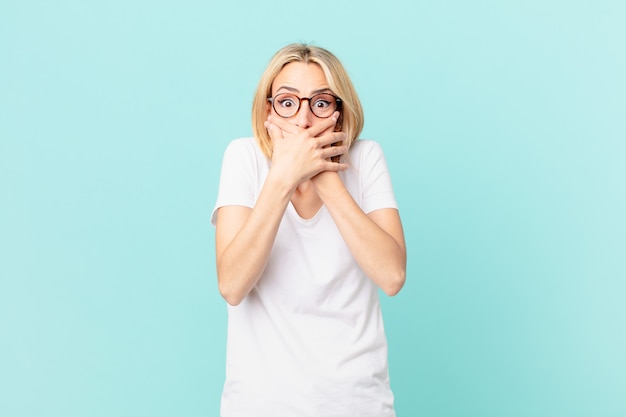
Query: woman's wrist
{"points": [[327, 182], [281, 183]]}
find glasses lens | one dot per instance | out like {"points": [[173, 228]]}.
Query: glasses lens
{"points": [[286, 105], [323, 105]]}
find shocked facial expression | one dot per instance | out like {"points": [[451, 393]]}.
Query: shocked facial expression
{"points": [[301, 95]]}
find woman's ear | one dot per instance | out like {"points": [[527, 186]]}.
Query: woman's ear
{"points": [[268, 107]]}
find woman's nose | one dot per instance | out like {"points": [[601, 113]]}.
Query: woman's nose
{"points": [[304, 117]]}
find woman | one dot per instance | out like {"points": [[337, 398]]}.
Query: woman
{"points": [[307, 230]]}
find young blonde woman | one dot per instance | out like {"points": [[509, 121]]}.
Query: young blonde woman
{"points": [[307, 231]]}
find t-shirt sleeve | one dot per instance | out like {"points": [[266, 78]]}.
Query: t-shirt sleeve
{"points": [[236, 186], [376, 188]]}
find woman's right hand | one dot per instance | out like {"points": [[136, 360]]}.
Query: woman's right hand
{"points": [[299, 154]]}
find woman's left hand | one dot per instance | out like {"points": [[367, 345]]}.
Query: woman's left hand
{"points": [[293, 140]]}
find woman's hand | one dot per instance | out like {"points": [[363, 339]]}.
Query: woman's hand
{"points": [[299, 154]]}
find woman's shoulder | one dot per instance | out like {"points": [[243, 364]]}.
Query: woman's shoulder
{"points": [[363, 150], [244, 148], [365, 146], [242, 145]]}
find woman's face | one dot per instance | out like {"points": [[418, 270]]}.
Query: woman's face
{"points": [[304, 81]]}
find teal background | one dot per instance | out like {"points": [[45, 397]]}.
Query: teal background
{"points": [[504, 127]]}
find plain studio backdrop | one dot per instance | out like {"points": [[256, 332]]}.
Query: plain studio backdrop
{"points": [[504, 126]]}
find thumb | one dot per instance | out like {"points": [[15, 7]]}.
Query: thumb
{"points": [[274, 131]]}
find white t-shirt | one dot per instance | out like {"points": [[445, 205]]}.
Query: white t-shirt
{"points": [[308, 340]]}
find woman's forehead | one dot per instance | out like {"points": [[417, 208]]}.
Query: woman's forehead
{"points": [[300, 77]]}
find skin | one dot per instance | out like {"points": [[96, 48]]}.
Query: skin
{"points": [[302, 172]]}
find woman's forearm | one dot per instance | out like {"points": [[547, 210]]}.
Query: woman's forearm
{"points": [[376, 240], [244, 239]]}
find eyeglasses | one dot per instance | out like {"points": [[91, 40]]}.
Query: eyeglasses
{"points": [[322, 105]]}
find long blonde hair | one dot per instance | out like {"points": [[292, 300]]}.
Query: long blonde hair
{"points": [[351, 118]]}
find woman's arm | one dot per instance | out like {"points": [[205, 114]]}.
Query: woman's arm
{"points": [[244, 236], [244, 239], [376, 240]]}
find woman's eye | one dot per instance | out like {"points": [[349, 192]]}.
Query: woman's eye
{"points": [[287, 103], [322, 104]]}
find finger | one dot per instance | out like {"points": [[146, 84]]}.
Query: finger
{"points": [[334, 166], [290, 128], [330, 138], [284, 125], [331, 151], [325, 125], [274, 131]]}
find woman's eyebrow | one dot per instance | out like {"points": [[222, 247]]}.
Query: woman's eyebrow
{"points": [[284, 87], [295, 90], [321, 90]]}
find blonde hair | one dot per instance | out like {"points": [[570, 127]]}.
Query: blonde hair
{"points": [[351, 118]]}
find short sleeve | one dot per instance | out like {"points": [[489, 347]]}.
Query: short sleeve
{"points": [[377, 189], [237, 183]]}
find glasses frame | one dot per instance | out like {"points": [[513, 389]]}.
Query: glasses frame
{"points": [[300, 99]]}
